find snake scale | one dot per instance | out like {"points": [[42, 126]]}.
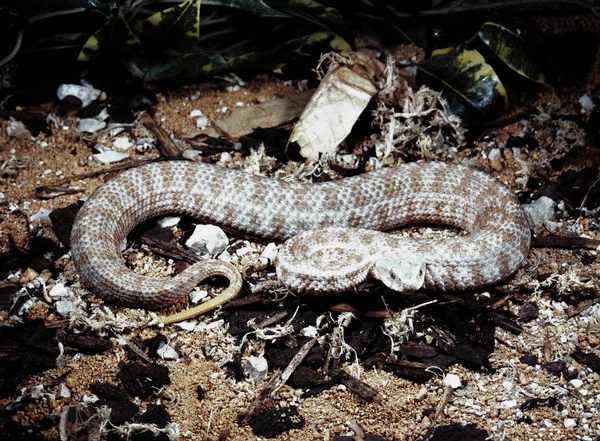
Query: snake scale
{"points": [[334, 228]]}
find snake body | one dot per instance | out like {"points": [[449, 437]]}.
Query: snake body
{"points": [[318, 259]]}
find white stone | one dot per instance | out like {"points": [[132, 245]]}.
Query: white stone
{"points": [[168, 221], [452, 380], [43, 214], [507, 385], [225, 157], [122, 143], [197, 295], [270, 251], [64, 308], [196, 113], [576, 383], [202, 122], [63, 391], [255, 368], [586, 103], [570, 423], [90, 125], [37, 391], [508, 404], [494, 155], [208, 239], [166, 352], [87, 95], [110, 156], [186, 326], [540, 210], [190, 154], [59, 290]]}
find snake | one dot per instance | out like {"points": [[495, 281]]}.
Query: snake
{"points": [[335, 234]]}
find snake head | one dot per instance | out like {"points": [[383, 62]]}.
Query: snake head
{"points": [[400, 272]]}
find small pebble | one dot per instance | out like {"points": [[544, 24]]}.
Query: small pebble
{"points": [[87, 95], [110, 156], [208, 239], [122, 143], [63, 391], [186, 326], [540, 210], [509, 404], [452, 380], [64, 308], [90, 125], [166, 352], [494, 155], [59, 290], [570, 423], [586, 103], [255, 368]]}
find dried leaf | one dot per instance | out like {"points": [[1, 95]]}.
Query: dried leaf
{"points": [[270, 114], [331, 113]]}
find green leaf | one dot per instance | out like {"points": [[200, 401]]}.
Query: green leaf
{"points": [[201, 65], [111, 40], [177, 24], [471, 86], [310, 10], [39, 7], [256, 7], [512, 49]]}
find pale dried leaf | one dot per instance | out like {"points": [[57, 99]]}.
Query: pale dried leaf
{"points": [[272, 113], [332, 111]]}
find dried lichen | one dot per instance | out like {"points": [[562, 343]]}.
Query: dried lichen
{"points": [[424, 128]]}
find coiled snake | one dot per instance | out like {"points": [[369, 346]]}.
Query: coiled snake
{"points": [[333, 227]]}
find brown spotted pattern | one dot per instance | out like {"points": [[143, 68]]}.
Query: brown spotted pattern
{"points": [[326, 261]]}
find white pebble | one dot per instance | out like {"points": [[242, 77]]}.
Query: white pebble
{"points": [[586, 103], [255, 368], [190, 154], [494, 155], [122, 143], [196, 113], [270, 252], [110, 156], [63, 391], [43, 214], [452, 380], [186, 326], [202, 122], [90, 125], [166, 352], [576, 383], [168, 221], [508, 404], [86, 94], [570, 423], [59, 290], [225, 157], [197, 295], [208, 239], [64, 308], [507, 385], [37, 391], [540, 210]]}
